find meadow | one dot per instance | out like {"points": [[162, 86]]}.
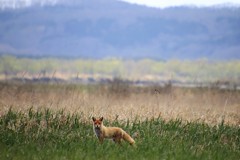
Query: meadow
{"points": [[184, 71], [53, 121]]}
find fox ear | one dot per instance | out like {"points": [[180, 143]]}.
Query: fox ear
{"points": [[101, 119], [93, 118]]}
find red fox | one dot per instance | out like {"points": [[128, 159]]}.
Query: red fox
{"points": [[115, 133]]}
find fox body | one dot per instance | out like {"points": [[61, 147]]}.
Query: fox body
{"points": [[115, 133]]}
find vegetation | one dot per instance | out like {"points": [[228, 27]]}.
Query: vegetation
{"points": [[208, 105], [190, 71], [58, 135], [53, 121]]}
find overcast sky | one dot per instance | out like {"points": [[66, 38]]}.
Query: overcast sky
{"points": [[168, 3], [152, 3]]}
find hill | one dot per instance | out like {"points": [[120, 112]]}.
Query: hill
{"points": [[106, 28]]}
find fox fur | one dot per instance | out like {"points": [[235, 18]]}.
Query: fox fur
{"points": [[115, 133]]}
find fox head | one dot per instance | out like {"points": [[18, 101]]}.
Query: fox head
{"points": [[97, 123]]}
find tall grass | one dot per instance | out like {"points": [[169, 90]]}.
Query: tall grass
{"points": [[207, 105], [52, 135], [53, 121]]}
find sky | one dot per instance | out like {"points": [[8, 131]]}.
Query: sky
{"points": [[151, 3], [170, 3]]}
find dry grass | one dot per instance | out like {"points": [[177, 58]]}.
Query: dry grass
{"points": [[124, 102]]}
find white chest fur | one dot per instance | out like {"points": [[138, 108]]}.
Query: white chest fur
{"points": [[97, 132]]}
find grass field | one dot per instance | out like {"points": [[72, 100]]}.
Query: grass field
{"points": [[184, 71], [48, 135], [53, 121]]}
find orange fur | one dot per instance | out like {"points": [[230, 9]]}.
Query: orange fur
{"points": [[115, 133]]}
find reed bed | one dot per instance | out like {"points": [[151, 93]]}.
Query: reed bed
{"points": [[124, 102]]}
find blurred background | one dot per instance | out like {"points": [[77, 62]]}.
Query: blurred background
{"points": [[166, 71], [187, 43]]}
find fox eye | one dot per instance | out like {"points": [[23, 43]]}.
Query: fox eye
{"points": [[97, 122]]}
